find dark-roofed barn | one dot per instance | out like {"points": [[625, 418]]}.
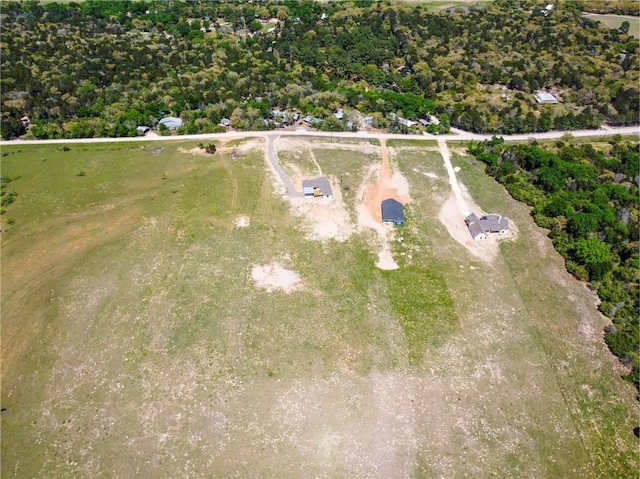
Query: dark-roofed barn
{"points": [[392, 212]]}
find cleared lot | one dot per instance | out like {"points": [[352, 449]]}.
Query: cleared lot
{"points": [[135, 339]]}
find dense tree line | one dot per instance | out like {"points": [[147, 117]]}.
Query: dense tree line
{"points": [[589, 200], [103, 68]]}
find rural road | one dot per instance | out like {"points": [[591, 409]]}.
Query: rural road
{"points": [[457, 135]]}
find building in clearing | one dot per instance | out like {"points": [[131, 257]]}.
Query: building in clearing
{"points": [[480, 227], [171, 122], [546, 98], [392, 212], [317, 188]]}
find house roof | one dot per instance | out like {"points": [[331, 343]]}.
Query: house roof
{"points": [[493, 223], [545, 97], [392, 210], [486, 224], [321, 182], [171, 122], [143, 128], [475, 229]]}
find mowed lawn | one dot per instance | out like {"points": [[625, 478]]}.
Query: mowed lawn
{"points": [[136, 344]]}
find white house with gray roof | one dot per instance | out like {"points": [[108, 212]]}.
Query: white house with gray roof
{"points": [[481, 227]]}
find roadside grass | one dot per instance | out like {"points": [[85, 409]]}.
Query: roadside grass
{"points": [[412, 143], [134, 341]]}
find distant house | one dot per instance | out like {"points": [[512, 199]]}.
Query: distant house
{"points": [[402, 121], [225, 122], [171, 122], [312, 120], [295, 117], [392, 212], [339, 114], [143, 129], [544, 97], [317, 188], [488, 224], [423, 122]]}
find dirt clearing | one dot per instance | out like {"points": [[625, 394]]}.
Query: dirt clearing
{"points": [[460, 205], [324, 219], [388, 185], [273, 277]]}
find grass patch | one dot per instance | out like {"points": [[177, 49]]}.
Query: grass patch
{"points": [[615, 21]]}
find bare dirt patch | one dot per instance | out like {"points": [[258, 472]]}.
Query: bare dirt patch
{"points": [[452, 217], [242, 221], [324, 219], [428, 174], [273, 277], [458, 206], [388, 185], [194, 151]]}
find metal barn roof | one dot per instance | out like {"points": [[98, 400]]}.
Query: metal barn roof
{"points": [[171, 122], [392, 211]]}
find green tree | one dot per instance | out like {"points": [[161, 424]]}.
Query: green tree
{"points": [[595, 256]]}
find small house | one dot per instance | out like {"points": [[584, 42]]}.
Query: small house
{"points": [[171, 122], [480, 227], [392, 212], [423, 122], [546, 98], [317, 188], [225, 122], [143, 129]]}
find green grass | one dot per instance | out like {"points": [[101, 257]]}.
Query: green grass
{"points": [[135, 341], [615, 21]]}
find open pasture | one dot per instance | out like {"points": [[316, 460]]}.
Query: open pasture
{"points": [[138, 339]]}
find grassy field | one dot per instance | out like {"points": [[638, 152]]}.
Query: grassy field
{"points": [[136, 344], [615, 21]]}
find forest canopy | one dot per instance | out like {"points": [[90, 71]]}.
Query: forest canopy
{"points": [[100, 68]]}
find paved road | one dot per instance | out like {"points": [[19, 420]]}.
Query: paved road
{"points": [[456, 135], [272, 156]]}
